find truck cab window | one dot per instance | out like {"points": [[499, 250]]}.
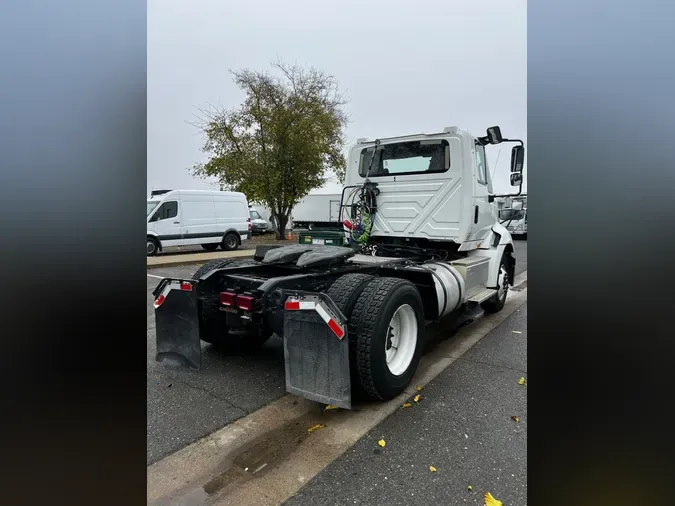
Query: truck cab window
{"points": [[396, 159], [481, 171], [166, 210]]}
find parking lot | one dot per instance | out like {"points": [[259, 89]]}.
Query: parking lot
{"points": [[183, 406]]}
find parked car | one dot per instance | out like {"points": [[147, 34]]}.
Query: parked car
{"points": [[189, 217]]}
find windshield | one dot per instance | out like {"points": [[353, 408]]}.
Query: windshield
{"points": [[151, 206], [416, 157], [254, 215]]}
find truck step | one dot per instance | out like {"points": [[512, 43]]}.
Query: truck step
{"points": [[482, 296]]}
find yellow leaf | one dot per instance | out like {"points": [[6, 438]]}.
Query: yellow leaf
{"points": [[418, 388], [515, 418], [491, 501], [432, 469], [382, 443], [417, 398], [330, 407], [407, 405], [470, 488], [516, 331], [521, 381], [315, 427]]}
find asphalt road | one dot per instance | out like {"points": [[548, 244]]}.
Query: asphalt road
{"points": [[462, 426], [183, 406]]}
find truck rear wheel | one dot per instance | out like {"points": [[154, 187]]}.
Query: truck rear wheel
{"points": [[388, 320], [345, 292], [219, 263], [213, 328]]}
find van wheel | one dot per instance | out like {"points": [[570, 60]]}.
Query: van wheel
{"points": [[153, 247], [230, 242], [210, 247], [388, 320]]}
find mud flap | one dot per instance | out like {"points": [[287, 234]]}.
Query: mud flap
{"points": [[177, 329], [317, 360]]}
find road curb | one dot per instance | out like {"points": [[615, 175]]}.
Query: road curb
{"points": [[196, 258]]}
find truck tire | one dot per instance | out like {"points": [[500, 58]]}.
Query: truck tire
{"points": [[153, 246], [345, 292], [495, 303], [388, 322], [230, 242], [213, 328], [210, 247]]}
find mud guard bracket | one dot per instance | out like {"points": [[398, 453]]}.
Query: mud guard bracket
{"points": [[317, 360]]}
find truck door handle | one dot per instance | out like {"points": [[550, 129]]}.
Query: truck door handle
{"points": [[176, 222], [475, 215]]}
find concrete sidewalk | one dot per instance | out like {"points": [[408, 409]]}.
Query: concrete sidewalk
{"points": [[193, 258], [462, 426]]}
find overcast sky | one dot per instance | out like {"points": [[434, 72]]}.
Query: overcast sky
{"points": [[406, 67]]}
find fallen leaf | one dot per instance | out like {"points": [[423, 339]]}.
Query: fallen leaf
{"points": [[315, 427], [418, 388], [382, 443], [407, 405], [330, 407], [469, 488], [515, 418], [516, 331], [432, 469], [491, 501], [521, 381], [417, 398]]}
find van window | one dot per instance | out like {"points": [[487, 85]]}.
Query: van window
{"points": [[254, 215], [166, 210]]}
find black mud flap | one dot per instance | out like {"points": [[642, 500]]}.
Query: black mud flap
{"points": [[317, 360], [177, 328]]}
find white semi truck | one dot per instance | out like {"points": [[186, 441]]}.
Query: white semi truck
{"points": [[424, 241]]}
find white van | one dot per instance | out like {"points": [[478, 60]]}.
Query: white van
{"points": [[188, 217]]}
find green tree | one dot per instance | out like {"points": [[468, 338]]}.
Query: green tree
{"points": [[280, 142]]}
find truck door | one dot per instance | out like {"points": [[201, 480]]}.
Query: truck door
{"points": [[166, 222], [482, 217]]}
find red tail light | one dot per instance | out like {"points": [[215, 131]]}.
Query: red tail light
{"points": [[292, 305], [245, 302], [186, 287], [228, 298], [250, 227], [159, 301]]}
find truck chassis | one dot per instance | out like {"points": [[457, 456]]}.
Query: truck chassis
{"points": [[351, 323]]}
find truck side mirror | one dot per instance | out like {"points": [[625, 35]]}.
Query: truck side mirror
{"points": [[517, 158], [516, 178], [494, 135]]}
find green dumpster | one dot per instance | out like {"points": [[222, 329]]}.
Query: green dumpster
{"points": [[322, 237]]}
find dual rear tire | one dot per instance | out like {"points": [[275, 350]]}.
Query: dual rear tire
{"points": [[386, 331]]}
